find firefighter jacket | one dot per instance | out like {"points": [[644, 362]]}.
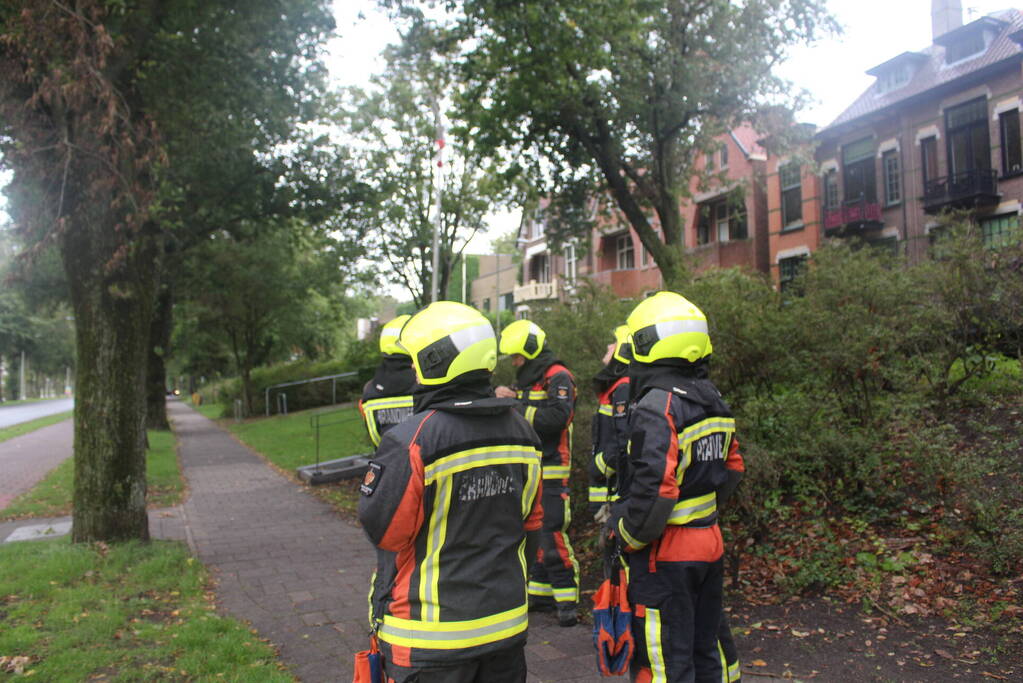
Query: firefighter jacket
{"points": [[387, 398], [448, 500], [546, 391], [610, 440], [682, 454]]}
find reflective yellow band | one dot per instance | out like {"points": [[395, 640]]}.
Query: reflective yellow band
{"points": [[654, 648], [705, 427], [598, 494], [555, 472], [530, 414], [537, 395], [451, 635], [389, 402], [606, 409], [478, 457], [566, 594], [733, 672], [692, 509], [629, 539], [541, 589], [602, 465]]}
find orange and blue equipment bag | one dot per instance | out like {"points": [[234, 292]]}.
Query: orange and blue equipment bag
{"points": [[369, 665], [612, 619]]}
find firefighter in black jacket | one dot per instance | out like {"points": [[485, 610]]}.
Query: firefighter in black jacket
{"points": [[387, 398], [452, 503], [546, 390], [683, 462], [611, 423]]}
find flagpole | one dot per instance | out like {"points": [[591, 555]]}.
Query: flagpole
{"points": [[437, 196]]}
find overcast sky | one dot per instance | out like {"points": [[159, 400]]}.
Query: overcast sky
{"points": [[874, 31]]}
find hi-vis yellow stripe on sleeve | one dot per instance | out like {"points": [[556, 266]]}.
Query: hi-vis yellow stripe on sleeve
{"points": [[478, 457], [451, 635], [530, 414], [606, 409], [537, 395], [556, 472]]}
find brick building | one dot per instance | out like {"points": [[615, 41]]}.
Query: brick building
{"points": [[939, 129]]}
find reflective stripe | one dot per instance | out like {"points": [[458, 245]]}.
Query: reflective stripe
{"points": [[606, 409], [654, 651], [602, 465], [629, 539], [692, 509], [598, 494], [478, 457], [724, 663], [704, 427], [670, 328], [537, 395], [429, 568], [530, 414], [463, 339], [555, 472], [529, 490], [566, 594], [541, 589], [451, 635], [734, 672]]}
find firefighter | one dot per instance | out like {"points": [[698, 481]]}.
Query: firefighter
{"points": [[452, 503], [683, 461], [387, 398], [546, 390], [611, 423]]}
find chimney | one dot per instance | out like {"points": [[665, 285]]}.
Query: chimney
{"points": [[946, 15]]}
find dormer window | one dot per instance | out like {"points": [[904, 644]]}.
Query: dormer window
{"points": [[894, 78], [964, 47]]}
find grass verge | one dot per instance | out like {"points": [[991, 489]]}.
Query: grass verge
{"points": [[289, 442], [32, 425], [52, 496], [130, 612]]}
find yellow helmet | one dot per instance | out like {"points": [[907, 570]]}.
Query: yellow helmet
{"points": [[389, 335], [447, 339], [623, 344], [524, 338], [667, 325]]}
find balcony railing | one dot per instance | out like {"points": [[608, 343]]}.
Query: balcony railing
{"points": [[536, 291], [977, 187], [856, 214]]}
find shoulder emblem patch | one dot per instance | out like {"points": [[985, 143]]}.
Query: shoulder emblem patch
{"points": [[372, 479], [620, 409], [562, 392]]}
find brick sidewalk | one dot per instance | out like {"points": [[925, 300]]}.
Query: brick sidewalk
{"points": [[288, 564]]}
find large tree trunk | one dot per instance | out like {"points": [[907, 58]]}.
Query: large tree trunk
{"points": [[156, 374], [112, 296]]}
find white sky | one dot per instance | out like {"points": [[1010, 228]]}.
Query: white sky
{"points": [[833, 72]]}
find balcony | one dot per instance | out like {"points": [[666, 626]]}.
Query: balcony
{"points": [[536, 291], [966, 190], [853, 217]]}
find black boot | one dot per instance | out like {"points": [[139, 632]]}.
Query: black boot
{"points": [[567, 615]]}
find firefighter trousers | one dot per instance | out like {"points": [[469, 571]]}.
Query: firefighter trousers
{"points": [[503, 666], [676, 624], [555, 573]]}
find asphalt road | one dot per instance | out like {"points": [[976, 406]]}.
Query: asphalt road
{"points": [[24, 412]]}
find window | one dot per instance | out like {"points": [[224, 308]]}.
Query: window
{"points": [[536, 229], [929, 159], [540, 268], [896, 77], [967, 46], [892, 178], [831, 190], [1000, 231], [724, 156], [571, 263], [788, 270], [724, 219], [969, 146], [858, 171], [1008, 124], [626, 257], [505, 302], [486, 305], [791, 194], [709, 165]]}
